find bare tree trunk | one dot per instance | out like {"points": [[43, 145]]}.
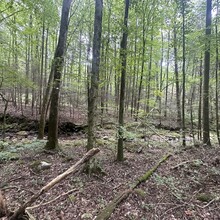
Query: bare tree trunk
{"points": [[142, 62], [123, 58], [216, 75], [200, 102], [184, 74], [178, 105], [93, 90], [42, 66], [206, 131], [57, 65], [167, 77], [149, 74]]}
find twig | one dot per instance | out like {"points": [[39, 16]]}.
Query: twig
{"points": [[183, 163], [209, 203], [53, 200]]}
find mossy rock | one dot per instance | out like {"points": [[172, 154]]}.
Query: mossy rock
{"points": [[37, 166], [140, 192]]}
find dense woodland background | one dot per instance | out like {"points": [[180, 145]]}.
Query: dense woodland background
{"points": [[139, 78], [165, 58]]}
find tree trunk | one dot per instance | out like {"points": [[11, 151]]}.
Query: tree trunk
{"points": [[179, 118], [199, 128], [123, 58], [167, 76], [206, 131], [42, 66], [93, 90], [142, 69], [216, 75], [57, 65], [184, 74]]}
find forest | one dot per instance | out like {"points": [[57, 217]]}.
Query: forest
{"points": [[109, 109]]}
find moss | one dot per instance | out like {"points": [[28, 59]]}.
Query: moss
{"points": [[205, 197], [140, 192]]}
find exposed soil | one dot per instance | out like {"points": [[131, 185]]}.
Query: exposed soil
{"points": [[22, 123]]}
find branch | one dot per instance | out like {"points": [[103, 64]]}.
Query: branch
{"points": [[53, 200], [108, 210], [62, 176], [3, 97], [3, 208], [10, 15]]}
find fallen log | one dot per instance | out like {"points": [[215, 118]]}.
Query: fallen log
{"points": [[3, 208], [76, 167], [109, 209]]}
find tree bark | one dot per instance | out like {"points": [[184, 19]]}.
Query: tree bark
{"points": [[178, 105], [57, 65], [206, 131], [123, 58], [184, 74], [93, 90], [216, 74]]}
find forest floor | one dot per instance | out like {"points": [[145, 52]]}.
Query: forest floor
{"points": [[185, 186]]}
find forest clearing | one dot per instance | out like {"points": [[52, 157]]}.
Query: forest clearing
{"points": [[109, 110]]}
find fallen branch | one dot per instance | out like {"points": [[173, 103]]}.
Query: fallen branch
{"points": [[182, 164], [71, 170], [108, 210], [148, 174], [3, 208], [209, 203], [53, 200]]}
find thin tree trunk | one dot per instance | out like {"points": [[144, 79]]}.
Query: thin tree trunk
{"points": [[216, 75], [123, 58], [142, 65], [206, 131], [184, 74], [200, 101], [178, 106], [42, 66], [161, 77], [149, 74], [167, 76]]}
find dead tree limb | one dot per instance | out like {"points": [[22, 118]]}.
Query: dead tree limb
{"points": [[3, 207], [53, 200], [109, 209], [76, 167]]}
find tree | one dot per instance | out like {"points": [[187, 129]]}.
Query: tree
{"points": [[123, 57], [183, 5], [206, 131], [94, 80], [57, 67], [176, 71], [216, 73]]}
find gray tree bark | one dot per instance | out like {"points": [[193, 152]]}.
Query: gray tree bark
{"points": [[57, 66], [206, 131], [93, 90]]}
